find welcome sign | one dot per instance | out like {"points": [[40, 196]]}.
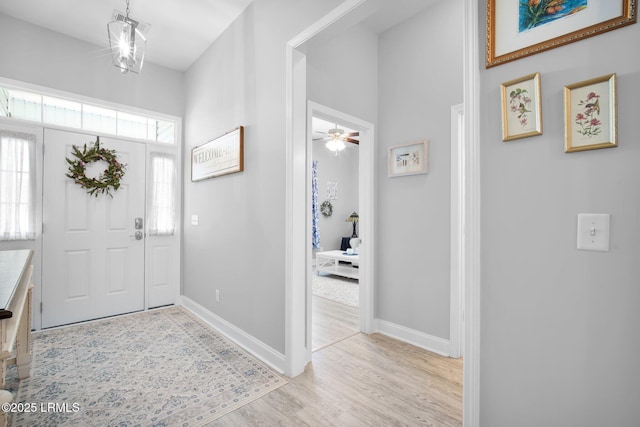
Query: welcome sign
{"points": [[220, 156]]}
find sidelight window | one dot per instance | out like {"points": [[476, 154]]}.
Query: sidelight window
{"points": [[17, 186], [162, 195]]}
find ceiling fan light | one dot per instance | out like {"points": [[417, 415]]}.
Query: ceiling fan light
{"points": [[335, 133], [335, 145]]}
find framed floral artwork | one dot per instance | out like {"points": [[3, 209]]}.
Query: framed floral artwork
{"points": [[590, 118], [521, 107], [516, 29]]}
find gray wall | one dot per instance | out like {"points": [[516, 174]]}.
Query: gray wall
{"points": [[559, 327], [420, 78], [36, 55], [238, 247], [406, 87], [342, 169], [342, 73]]}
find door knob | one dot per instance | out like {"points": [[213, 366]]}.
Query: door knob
{"points": [[138, 235]]}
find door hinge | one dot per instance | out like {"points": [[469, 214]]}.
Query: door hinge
{"points": [[40, 307]]}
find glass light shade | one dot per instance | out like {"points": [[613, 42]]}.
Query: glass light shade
{"points": [[127, 44], [335, 145]]}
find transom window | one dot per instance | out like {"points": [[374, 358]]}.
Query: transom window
{"points": [[78, 115]]}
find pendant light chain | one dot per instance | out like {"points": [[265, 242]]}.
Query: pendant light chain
{"points": [[127, 8]]}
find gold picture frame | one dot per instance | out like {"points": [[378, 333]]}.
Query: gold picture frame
{"points": [[521, 107], [590, 116], [516, 29]]}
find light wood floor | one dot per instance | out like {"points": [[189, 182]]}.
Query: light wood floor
{"points": [[332, 322], [362, 380]]}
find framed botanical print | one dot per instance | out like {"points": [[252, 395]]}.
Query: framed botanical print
{"points": [[590, 114], [521, 107]]}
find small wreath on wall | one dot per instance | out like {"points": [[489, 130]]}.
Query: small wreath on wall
{"points": [[326, 208], [107, 181]]}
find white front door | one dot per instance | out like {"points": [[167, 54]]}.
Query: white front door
{"points": [[93, 266]]}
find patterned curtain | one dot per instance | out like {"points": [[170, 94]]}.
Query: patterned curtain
{"points": [[315, 230]]}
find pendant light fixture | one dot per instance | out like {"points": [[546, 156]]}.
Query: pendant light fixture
{"points": [[127, 41]]}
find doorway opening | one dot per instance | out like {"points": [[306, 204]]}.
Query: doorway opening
{"points": [[296, 350], [342, 260], [335, 244]]}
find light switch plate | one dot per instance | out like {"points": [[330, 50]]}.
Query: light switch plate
{"points": [[593, 232], [195, 219]]}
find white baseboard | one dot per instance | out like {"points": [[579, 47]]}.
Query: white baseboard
{"points": [[257, 348], [411, 336]]}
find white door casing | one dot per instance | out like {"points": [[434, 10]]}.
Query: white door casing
{"points": [[456, 322], [92, 265], [297, 353]]}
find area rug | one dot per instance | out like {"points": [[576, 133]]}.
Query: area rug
{"points": [[163, 367], [336, 288]]}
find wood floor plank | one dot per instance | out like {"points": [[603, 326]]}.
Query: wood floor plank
{"points": [[363, 380], [332, 322]]}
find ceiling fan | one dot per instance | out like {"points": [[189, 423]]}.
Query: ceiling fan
{"points": [[336, 138]]}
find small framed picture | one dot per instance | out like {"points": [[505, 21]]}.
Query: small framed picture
{"points": [[410, 159], [521, 107], [590, 118]]}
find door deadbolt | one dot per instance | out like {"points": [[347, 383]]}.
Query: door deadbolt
{"points": [[138, 223]]}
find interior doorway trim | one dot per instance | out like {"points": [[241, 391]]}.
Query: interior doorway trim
{"points": [[456, 317], [297, 355], [471, 217], [366, 210]]}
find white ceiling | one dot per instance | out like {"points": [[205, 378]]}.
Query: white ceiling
{"points": [[180, 30]]}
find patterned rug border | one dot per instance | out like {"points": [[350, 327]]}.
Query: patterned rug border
{"points": [[221, 414], [197, 421]]}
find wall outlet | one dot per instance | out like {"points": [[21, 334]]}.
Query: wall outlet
{"points": [[218, 295]]}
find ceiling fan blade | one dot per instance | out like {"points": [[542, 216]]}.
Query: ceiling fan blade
{"points": [[353, 141], [352, 134]]}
